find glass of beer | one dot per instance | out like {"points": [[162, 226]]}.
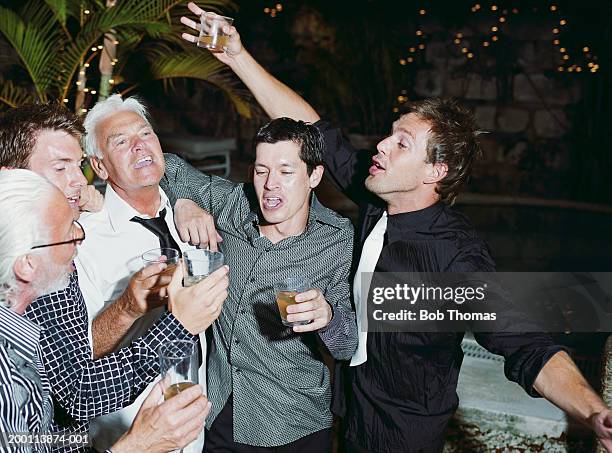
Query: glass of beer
{"points": [[178, 363], [169, 256], [212, 36], [199, 264], [286, 290]]}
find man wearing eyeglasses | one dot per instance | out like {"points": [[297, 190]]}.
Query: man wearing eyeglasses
{"points": [[36, 260], [45, 139]]}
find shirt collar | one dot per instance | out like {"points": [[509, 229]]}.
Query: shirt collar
{"points": [[21, 333], [316, 213], [120, 212]]}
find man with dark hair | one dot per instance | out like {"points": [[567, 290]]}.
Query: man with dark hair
{"points": [[400, 390], [268, 384], [45, 138]]}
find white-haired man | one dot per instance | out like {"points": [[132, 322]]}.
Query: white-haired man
{"points": [[125, 152], [38, 238], [45, 138]]}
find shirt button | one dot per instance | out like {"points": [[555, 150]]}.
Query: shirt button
{"points": [[252, 279], [236, 341]]}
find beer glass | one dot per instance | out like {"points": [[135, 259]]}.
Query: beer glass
{"points": [[212, 36], [199, 264], [286, 290], [172, 257], [178, 363]]}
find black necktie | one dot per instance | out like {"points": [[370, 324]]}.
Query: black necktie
{"points": [[159, 228]]}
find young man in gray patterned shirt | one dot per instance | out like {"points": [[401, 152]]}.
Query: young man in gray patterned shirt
{"points": [[268, 384]]}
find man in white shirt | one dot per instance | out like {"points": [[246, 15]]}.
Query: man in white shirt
{"points": [[126, 153]]}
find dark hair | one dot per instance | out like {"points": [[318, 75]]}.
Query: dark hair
{"points": [[19, 129], [451, 140], [305, 135]]}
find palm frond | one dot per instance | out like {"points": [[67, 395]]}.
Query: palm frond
{"points": [[196, 64], [60, 8], [13, 95], [35, 41]]}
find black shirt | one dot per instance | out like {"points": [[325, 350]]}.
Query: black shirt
{"points": [[402, 397]]}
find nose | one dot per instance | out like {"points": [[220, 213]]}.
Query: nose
{"points": [[271, 181], [77, 178], [383, 145], [138, 144]]}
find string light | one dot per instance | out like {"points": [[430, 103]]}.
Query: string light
{"points": [[562, 22], [457, 41], [585, 49], [486, 44], [272, 11], [65, 100], [419, 33], [494, 28], [553, 8], [86, 65], [493, 7], [93, 91], [422, 12], [421, 46], [470, 55], [560, 69], [562, 50], [502, 19], [556, 42], [100, 47], [555, 30], [494, 38], [86, 11]]}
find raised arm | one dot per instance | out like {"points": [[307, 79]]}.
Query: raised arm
{"points": [[276, 98]]}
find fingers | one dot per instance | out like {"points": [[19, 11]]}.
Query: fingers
{"points": [[310, 327], [154, 395], [177, 277], [307, 295], [215, 277], [190, 38], [195, 9], [190, 23], [212, 237], [150, 270]]}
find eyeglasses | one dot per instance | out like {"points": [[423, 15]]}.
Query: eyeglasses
{"points": [[76, 240]]}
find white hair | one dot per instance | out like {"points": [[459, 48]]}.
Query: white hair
{"points": [[104, 109], [23, 195]]}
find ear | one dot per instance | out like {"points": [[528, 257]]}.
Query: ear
{"points": [[316, 175], [98, 165], [437, 172], [25, 268]]}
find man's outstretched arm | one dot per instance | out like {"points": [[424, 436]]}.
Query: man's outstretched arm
{"points": [[561, 383]]}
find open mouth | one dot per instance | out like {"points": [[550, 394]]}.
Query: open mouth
{"points": [[272, 202], [143, 162], [73, 201], [376, 167]]}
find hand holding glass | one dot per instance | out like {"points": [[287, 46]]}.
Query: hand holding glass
{"points": [[286, 290], [168, 256], [212, 36]]}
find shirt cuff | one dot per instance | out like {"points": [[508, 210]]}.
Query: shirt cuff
{"points": [[332, 325]]}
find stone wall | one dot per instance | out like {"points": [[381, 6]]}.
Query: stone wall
{"points": [[519, 97]]}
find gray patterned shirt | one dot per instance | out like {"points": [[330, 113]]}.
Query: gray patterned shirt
{"points": [[281, 387]]}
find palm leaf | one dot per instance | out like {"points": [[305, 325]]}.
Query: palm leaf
{"points": [[60, 9], [13, 95], [195, 64], [35, 42]]}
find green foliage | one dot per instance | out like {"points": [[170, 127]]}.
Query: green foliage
{"points": [[52, 40]]}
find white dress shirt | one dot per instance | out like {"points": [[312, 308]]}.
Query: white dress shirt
{"points": [[367, 263], [109, 256]]}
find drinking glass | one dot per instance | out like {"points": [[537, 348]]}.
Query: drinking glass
{"points": [[286, 290], [212, 36], [199, 264]]}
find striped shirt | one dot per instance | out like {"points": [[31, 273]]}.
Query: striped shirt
{"points": [[280, 385], [83, 388], [25, 405]]}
